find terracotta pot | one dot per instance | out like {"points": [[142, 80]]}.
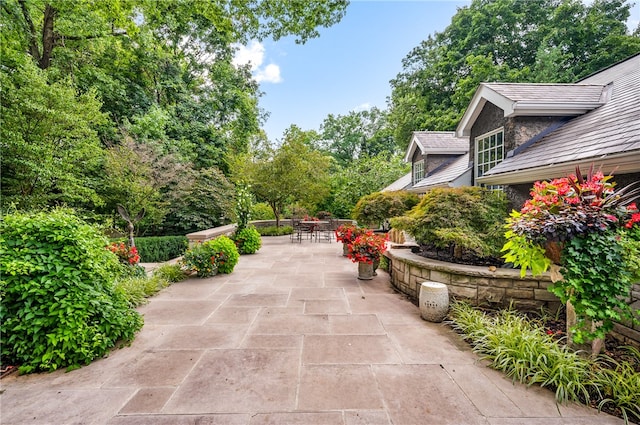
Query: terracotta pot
{"points": [[553, 250]]}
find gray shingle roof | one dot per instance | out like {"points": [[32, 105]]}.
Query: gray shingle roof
{"points": [[447, 174], [436, 142], [402, 183], [613, 128], [550, 93]]}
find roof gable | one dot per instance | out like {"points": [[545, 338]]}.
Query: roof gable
{"points": [[608, 136], [534, 99], [436, 142]]}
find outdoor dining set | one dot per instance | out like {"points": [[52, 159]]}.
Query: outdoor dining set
{"points": [[313, 230]]}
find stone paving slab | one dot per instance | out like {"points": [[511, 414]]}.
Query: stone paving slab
{"points": [[290, 337]]}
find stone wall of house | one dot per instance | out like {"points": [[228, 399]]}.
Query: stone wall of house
{"points": [[483, 287]]}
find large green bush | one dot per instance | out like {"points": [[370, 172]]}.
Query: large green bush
{"points": [[158, 249], [219, 255], [372, 210], [464, 219], [59, 304], [229, 251], [248, 240]]}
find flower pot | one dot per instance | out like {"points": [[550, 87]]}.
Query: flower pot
{"points": [[345, 249], [365, 271], [434, 301], [552, 251]]}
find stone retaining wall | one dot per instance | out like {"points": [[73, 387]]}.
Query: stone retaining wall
{"points": [[483, 287]]}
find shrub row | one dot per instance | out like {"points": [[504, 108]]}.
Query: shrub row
{"points": [[275, 231], [158, 249]]}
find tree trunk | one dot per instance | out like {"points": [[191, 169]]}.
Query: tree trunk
{"points": [[48, 37]]}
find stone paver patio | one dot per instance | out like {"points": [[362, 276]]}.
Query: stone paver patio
{"points": [[291, 337]]}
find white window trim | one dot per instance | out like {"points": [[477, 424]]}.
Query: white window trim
{"points": [[414, 179], [476, 164]]}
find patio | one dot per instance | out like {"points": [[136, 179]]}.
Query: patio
{"points": [[291, 337]]}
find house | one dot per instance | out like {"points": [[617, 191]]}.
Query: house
{"points": [[513, 134], [438, 159], [520, 132]]}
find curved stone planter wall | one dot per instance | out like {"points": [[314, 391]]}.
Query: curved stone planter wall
{"points": [[480, 286]]}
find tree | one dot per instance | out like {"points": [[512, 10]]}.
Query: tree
{"points": [[364, 176], [504, 40], [294, 172], [357, 134], [50, 151]]}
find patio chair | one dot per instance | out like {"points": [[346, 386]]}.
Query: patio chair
{"points": [[324, 231], [298, 230]]}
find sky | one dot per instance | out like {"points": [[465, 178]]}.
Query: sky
{"points": [[350, 65]]}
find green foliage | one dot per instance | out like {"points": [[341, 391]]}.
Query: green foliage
{"points": [[356, 135], [202, 258], [136, 290], [170, 272], [275, 231], [59, 304], [46, 131], [523, 351], [619, 384], [229, 254], [523, 253], [465, 218], [295, 172], [158, 249], [596, 281], [244, 204], [630, 243], [371, 210], [362, 177], [262, 211], [248, 240]]}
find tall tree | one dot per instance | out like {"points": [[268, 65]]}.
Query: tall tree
{"points": [[357, 134], [295, 172], [504, 40]]}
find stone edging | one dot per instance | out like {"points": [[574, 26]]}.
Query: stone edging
{"points": [[481, 286]]}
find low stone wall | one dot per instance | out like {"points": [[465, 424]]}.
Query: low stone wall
{"points": [[481, 286], [288, 222], [205, 235]]}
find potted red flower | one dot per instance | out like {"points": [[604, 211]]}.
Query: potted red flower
{"points": [[366, 250]]}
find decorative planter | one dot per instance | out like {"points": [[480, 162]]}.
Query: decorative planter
{"points": [[365, 271], [345, 249], [434, 301]]}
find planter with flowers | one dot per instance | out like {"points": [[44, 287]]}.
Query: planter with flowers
{"points": [[366, 250], [588, 232], [347, 233]]}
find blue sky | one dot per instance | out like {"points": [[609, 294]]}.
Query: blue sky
{"points": [[349, 66]]}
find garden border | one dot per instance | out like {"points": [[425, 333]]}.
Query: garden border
{"points": [[480, 286]]}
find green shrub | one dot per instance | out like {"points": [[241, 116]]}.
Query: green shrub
{"points": [[275, 231], [229, 254], [219, 255], [201, 258], [463, 219], [158, 249], [262, 211], [248, 240], [136, 290], [372, 210], [59, 304], [170, 272], [244, 204]]}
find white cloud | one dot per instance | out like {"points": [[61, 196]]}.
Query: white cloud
{"points": [[253, 54], [362, 107], [269, 74]]}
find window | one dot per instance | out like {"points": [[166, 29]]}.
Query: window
{"points": [[418, 171], [489, 151]]}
